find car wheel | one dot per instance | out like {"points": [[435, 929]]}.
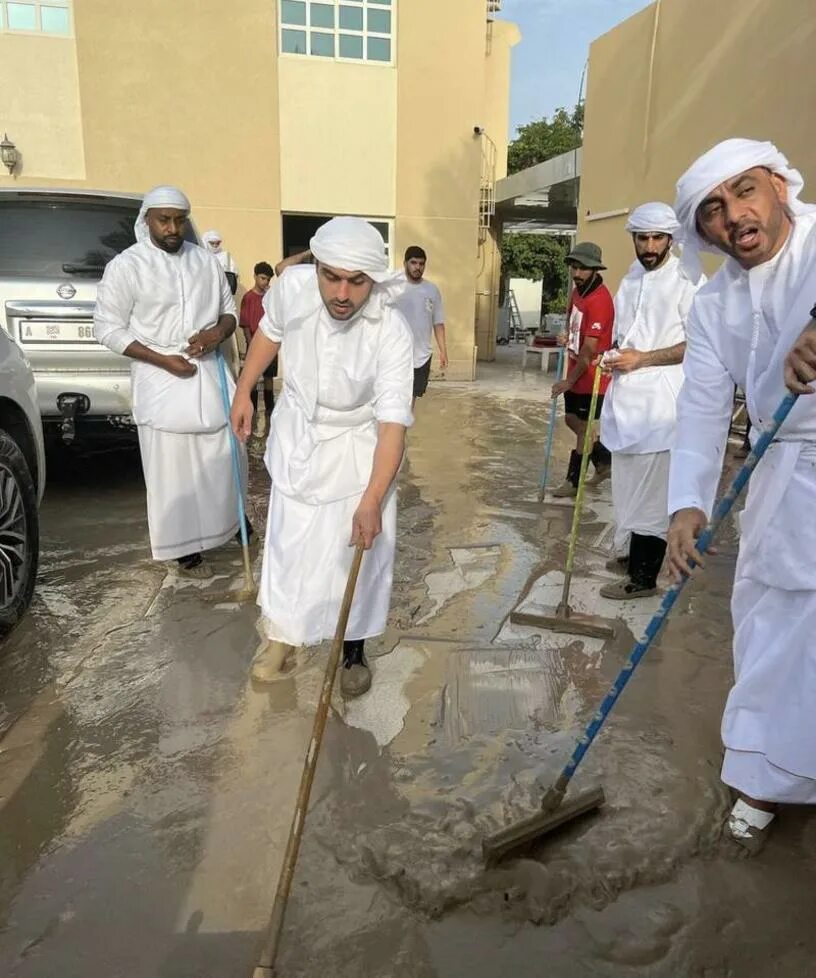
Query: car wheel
{"points": [[19, 534]]}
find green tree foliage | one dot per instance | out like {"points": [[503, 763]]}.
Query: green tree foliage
{"points": [[546, 138], [538, 257]]}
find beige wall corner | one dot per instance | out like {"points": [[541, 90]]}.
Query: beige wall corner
{"points": [[649, 114], [440, 99], [502, 37]]}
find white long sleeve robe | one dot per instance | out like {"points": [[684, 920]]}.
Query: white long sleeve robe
{"points": [[342, 380], [742, 325], [640, 408], [160, 300]]}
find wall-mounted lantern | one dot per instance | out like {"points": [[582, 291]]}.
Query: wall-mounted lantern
{"points": [[9, 156]]}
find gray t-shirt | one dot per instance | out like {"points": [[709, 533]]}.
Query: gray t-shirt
{"points": [[421, 304]]}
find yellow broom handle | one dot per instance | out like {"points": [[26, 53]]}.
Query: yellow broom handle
{"points": [[579, 499]]}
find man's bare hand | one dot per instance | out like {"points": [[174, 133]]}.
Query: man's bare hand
{"points": [[241, 416], [366, 525], [624, 361], [800, 363], [561, 388], [204, 342], [686, 527], [443, 361], [179, 366]]}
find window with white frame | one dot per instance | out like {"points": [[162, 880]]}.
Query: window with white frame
{"points": [[348, 30], [36, 16]]}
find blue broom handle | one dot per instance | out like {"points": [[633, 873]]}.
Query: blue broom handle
{"points": [[551, 431], [236, 466], [722, 510]]}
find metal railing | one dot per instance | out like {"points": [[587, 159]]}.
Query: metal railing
{"points": [[487, 187]]}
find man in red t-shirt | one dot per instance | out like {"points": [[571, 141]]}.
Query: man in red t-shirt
{"points": [[590, 318], [251, 314]]}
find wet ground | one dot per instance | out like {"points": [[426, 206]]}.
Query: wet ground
{"points": [[146, 787]]}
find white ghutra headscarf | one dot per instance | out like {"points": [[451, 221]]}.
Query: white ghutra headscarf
{"points": [[164, 196], [656, 217], [725, 161], [353, 245]]}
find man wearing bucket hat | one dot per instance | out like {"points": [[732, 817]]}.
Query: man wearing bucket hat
{"points": [[639, 415], [590, 320]]}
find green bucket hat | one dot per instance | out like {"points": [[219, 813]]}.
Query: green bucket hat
{"points": [[587, 254]]}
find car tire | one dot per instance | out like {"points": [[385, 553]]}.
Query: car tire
{"points": [[19, 534]]}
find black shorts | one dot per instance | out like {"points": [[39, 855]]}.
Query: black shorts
{"points": [[578, 404], [272, 370], [421, 377]]}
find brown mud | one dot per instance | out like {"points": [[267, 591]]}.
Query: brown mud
{"points": [[146, 787]]}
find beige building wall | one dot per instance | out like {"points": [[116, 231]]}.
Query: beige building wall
{"points": [[158, 94], [40, 105], [169, 99], [440, 100], [675, 79], [338, 136], [501, 39]]}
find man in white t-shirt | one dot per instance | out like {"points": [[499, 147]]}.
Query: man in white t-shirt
{"points": [[421, 304]]}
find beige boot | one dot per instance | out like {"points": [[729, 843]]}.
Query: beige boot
{"points": [[268, 663], [565, 491]]}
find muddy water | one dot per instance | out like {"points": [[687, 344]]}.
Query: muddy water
{"points": [[146, 787]]}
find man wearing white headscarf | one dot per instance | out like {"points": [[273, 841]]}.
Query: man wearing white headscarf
{"points": [[166, 304], [214, 243], [336, 443], [640, 409], [741, 200]]}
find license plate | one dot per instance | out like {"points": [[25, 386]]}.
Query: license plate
{"points": [[35, 331]]}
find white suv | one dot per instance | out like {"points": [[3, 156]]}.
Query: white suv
{"points": [[54, 246], [22, 481]]}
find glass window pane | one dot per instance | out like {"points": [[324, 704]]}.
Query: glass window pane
{"points": [[293, 12], [382, 3], [293, 42], [322, 15], [379, 49], [22, 16], [55, 20], [40, 235], [323, 45], [351, 46], [379, 21], [351, 18]]}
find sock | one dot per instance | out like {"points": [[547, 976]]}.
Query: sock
{"points": [[600, 454], [353, 653]]}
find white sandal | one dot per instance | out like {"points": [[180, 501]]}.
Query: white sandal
{"points": [[749, 826]]}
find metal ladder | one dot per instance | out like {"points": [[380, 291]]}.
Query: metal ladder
{"points": [[517, 331]]}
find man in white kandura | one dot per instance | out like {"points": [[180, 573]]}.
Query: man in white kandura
{"points": [[166, 304], [640, 409], [336, 443], [214, 243], [741, 199]]}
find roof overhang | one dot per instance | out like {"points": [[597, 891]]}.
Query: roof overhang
{"points": [[542, 199]]}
